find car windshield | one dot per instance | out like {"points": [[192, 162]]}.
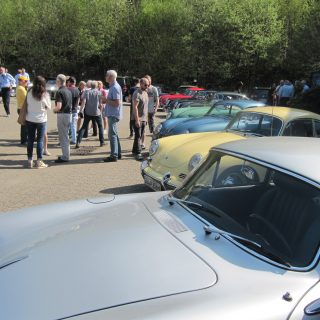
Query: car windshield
{"points": [[256, 123], [51, 82], [223, 108], [230, 96], [182, 89], [269, 208], [189, 92], [259, 93]]}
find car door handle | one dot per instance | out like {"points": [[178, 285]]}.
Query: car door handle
{"points": [[312, 308]]}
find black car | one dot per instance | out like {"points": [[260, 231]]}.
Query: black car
{"points": [[259, 94]]}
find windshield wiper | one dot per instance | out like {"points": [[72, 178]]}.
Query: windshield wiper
{"points": [[173, 200], [209, 230], [273, 256], [191, 204], [257, 246], [253, 134]]}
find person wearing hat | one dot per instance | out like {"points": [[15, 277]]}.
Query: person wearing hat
{"points": [[21, 93]]}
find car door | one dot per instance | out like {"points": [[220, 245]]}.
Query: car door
{"points": [[316, 126]]}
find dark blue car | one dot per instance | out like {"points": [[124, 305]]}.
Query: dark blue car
{"points": [[216, 119]]}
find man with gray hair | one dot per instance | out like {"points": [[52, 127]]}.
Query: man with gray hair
{"points": [[113, 111], [63, 109], [92, 105]]}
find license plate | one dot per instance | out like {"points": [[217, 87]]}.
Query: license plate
{"points": [[153, 184]]}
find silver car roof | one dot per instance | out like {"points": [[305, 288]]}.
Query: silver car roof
{"points": [[297, 154]]}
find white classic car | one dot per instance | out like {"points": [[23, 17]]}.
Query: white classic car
{"points": [[238, 240]]}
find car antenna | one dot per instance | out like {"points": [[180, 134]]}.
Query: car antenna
{"points": [[271, 121]]}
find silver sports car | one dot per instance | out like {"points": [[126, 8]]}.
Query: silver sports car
{"points": [[238, 240]]}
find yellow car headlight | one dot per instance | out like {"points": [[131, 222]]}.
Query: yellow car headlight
{"points": [[158, 128], [194, 161], [154, 147]]}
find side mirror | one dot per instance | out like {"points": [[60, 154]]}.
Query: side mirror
{"points": [[312, 308]]}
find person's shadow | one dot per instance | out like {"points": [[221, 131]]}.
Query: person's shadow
{"points": [[137, 188]]}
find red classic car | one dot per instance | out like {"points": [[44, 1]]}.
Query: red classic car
{"points": [[187, 94]]}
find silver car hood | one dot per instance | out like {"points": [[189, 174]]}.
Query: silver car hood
{"points": [[62, 260]]}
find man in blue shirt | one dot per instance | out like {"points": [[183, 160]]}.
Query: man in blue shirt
{"points": [[6, 83], [113, 111], [286, 92], [305, 88]]}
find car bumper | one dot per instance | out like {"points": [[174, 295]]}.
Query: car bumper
{"points": [[156, 181]]}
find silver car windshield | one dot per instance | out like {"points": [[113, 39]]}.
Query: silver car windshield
{"points": [[256, 123], [279, 212]]}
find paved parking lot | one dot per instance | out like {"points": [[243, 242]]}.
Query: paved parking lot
{"points": [[85, 176]]}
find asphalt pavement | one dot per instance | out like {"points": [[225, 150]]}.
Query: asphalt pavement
{"points": [[86, 175]]}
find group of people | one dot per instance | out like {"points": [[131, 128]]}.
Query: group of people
{"points": [[77, 106], [281, 94], [90, 102]]}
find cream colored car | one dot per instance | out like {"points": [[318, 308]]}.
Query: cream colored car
{"points": [[172, 158]]}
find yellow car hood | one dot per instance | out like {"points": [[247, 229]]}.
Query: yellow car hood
{"points": [[177, 150]]}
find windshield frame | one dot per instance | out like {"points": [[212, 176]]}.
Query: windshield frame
{"points": [[214, 155]]}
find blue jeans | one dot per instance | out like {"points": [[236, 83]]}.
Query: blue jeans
{"points": [[96, 120], [32, 128], [113, 137], [5, 92], [73, 126]]}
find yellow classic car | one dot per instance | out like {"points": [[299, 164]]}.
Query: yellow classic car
{"points": [[173, 158]]}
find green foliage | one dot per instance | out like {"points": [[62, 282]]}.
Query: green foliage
{"points": [[213, 41]]}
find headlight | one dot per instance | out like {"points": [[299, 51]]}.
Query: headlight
{"points": [[144, 165], [157, 129], [169, 115], [154, 147], [194, 161]]}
